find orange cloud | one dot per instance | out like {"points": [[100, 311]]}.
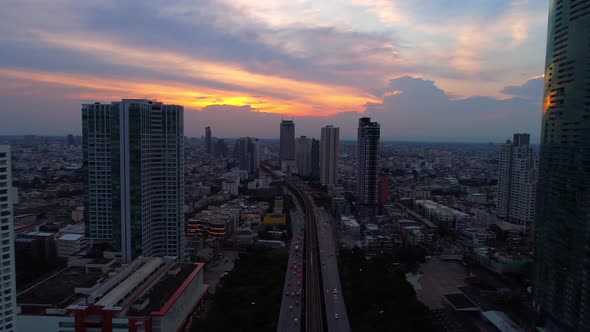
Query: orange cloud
{"points": [[295, 97], [392, 93], [191, 96]]}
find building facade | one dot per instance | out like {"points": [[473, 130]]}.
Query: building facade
{"points": [[287, 144], [303, 147], [367, 192], [329, 155], [249, 155], [133, 153], [315, 159], [562, 220], [517, 181], [7, 265]]}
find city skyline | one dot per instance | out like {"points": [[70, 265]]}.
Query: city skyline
{"points": [[402, 64]]}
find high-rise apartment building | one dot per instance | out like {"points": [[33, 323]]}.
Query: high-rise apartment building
{"points": [[133, 153], [517, 181], [562, 219], [208, 143], [249, 155], [303, 147], [287, 144], [315, 159], [367, 192], [329, 155], [7, 273], [220, 148]]}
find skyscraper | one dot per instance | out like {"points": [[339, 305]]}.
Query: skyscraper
{"points": [[287, 144], [220, 148], [71, 140], [208, 143], [517, 181], [562, 219], [249, 155], [329, 155], [7, 273], [315, 159], [366, 178], [133, 153], [303, 155]]}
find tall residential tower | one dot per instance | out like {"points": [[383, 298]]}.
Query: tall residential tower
{"points": [[329, 155], [367, 192], [562, 220], [517, 181], [133, 154], [7, 273], [303, 155], [287, 144]]}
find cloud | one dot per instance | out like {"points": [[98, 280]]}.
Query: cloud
{"points": [[321, 61], [423, 111], [530, 89]]}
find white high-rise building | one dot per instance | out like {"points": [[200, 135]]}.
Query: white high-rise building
{"points": [[517, 181], [7, 274], [329, 155], [303, 155], [133, 155]]}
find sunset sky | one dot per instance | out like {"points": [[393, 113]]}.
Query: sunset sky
{"points": [[454, 70]]}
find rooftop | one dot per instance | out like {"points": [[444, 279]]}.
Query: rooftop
{"points": [[71, 237], [164, 290], [460, 302], [58, 291]]}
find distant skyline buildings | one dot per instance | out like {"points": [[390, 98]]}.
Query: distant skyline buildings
{"points": [[71, 140], [517, 181], [208, 142], [303, 149], [562, 222], [329, 155], [287, 140], [133, 163], [8, 309], [248, 154], [315, 158]]}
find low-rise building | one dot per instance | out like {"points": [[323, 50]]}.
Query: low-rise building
{"points": [[378, 243], [147, 294], [442, 215], [477, 198], [70, 244], [350, 226], [477, 234], [500, 262]]}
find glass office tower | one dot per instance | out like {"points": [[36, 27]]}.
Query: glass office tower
{"points": [[562, 222]]}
